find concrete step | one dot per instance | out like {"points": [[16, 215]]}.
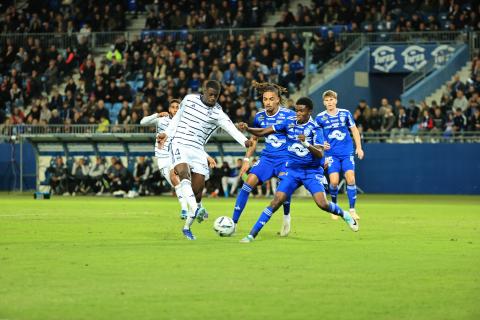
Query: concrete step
{"points": [[464, 74]]}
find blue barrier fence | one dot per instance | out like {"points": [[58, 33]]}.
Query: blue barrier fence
{"points": [[387, 168], [420, 168]]}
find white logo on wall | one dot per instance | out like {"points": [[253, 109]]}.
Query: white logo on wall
{"points": [[414, 58], [384, 57], [442, 54]]}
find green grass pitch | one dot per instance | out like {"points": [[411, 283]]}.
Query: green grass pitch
{"points": [[415, 257]]}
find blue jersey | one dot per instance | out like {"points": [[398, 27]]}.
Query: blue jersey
{"points": [[336, 131], [276, 143], [298, 155]]}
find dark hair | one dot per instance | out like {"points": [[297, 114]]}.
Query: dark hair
{"points": [[212, 84], [306, 102], [263, 87], [174, 100]]}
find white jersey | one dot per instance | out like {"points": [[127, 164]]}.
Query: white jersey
{"points": [[161, 124], [196, 122]]}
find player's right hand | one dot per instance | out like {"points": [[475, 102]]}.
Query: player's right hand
{"points": [[326, 145], [244, 168], [163, 114]]}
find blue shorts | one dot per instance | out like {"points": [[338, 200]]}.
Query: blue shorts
{"points": [[311, 178], [337, 164], [266, 168]]}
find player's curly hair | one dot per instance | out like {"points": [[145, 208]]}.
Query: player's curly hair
{"points": [[263, 87]]}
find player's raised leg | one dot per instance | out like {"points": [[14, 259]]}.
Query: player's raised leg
{"points": [[322, 202], [265, 216], [198, 184], [334, 180]]}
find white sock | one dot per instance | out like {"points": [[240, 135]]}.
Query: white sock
{"points": [[181, 198], [286, 218], [187, 192], [199, 204]]}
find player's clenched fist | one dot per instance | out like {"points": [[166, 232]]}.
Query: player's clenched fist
{"points": [[242, 126], [301, 137], [161, 138]]}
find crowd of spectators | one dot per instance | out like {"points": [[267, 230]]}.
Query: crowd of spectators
{"points": [[53, 16], [458, 111], [396, 15], [81, 176], [139, 77], [217, 14]]}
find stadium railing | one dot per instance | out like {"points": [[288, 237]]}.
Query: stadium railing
{"points": [[119, 132]]}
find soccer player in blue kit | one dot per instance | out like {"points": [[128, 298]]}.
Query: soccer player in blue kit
{"points": [[305, 149], [274, 155], [336, 123]]}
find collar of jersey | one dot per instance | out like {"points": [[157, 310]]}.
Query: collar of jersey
{"points": [[298, 124], [273, 115], [333, 115]]}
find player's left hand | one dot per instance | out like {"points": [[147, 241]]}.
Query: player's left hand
{"points": [[163, 114], [211, 162], [161, 138], [301, 137], [359, 153], [242, 126]]}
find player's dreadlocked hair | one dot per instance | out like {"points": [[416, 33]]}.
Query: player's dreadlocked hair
{"points": [[263, 87]]}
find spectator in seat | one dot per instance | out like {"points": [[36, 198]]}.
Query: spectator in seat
{"points": [[459, 121], [79, 177], [120, 179], [142, 176], [231, 176], [58, 181], [474, 123], [460, 101], [375, 121], [438, 120]]}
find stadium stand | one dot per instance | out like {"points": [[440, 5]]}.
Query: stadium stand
{"points": [[73, 63]]}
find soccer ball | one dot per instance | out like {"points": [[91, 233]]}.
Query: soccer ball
{"points": [[224, 226]]}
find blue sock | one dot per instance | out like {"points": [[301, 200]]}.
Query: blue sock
{"points": [[352, 195], [335, 209], [286, 206], [334, 193], [242, 199], [262, 220]]}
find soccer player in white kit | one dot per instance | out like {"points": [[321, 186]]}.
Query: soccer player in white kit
{"points": [[164, 160], [195, 122]]}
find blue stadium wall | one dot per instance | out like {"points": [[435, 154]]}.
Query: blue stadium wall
{"points": [[387, 168], [10, 166]]}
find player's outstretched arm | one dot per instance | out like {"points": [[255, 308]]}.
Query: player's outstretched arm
{"points": [[226, 124], [259, 132], [152, 119], [316, 150]]}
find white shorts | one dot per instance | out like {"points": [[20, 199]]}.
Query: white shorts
{"points": [[195, 158], [165, 166]]}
